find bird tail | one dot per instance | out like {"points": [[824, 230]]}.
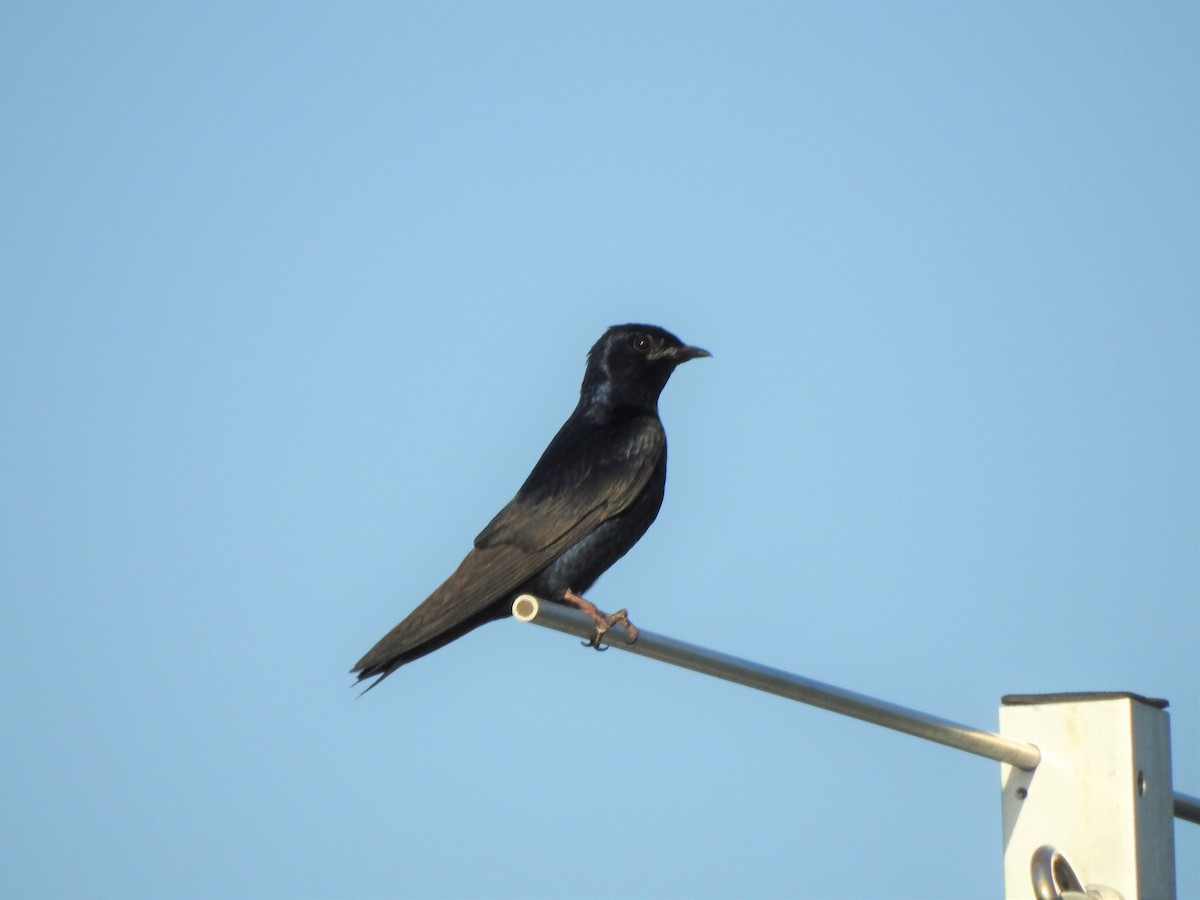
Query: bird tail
{"points": [[396, 648]]}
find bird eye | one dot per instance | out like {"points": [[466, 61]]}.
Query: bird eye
{"points": [[641, 342]]}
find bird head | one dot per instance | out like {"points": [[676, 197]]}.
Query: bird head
{"points": [[629, 366]]}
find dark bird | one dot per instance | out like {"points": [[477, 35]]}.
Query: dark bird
{"points": [[591, 496]]}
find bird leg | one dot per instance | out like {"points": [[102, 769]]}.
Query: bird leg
{"points": [[604, 621]]}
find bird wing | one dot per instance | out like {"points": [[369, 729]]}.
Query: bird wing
{"points": [[558, 505], [573, 489]]}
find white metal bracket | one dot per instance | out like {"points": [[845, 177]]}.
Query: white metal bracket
{"points": [[1101, 796]]}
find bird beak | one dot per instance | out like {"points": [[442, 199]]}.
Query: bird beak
{"points": [[683, 354]]}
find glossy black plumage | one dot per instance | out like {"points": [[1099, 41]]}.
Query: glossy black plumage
{"points": [[591, 496]]}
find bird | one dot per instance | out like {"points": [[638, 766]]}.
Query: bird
{"points": [[591, 496]]}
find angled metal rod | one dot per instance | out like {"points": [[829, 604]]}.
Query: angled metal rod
{"points": [[528, 608], [1187, 808]]}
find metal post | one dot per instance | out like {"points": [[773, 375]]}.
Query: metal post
{"points": [[528, 608], [1100, 799]]}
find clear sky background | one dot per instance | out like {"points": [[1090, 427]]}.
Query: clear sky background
{"points": [[295, 294]]}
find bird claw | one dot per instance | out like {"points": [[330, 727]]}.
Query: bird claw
{"points": [[602, 626], [604, 621], [622, 617], [594, 641]]}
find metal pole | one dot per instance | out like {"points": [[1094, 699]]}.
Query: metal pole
{"points": [[528, 608]]}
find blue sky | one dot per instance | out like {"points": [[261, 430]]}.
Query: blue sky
{"points": [[295, 294]]}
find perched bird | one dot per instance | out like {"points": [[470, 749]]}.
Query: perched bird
{"points": [[591, 496]]}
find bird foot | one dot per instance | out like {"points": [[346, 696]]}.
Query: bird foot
{"points": [[604, 621]]}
